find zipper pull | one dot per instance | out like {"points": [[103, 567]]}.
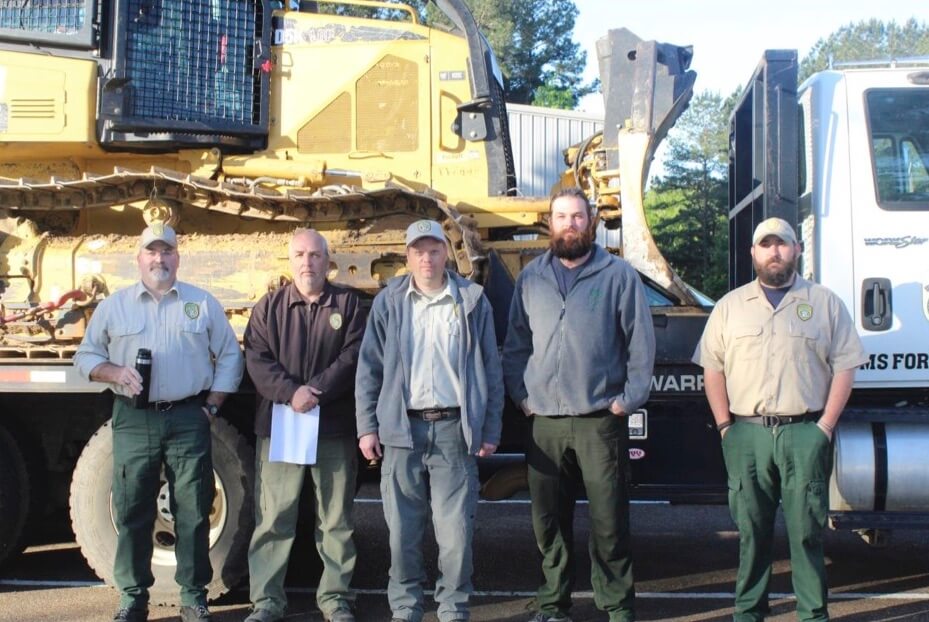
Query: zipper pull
{"points": [[563, 304]]}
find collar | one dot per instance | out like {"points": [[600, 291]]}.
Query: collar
{"points": [[598, 260], [450, 289], [800, 289], [140, 290], [293, 297]]}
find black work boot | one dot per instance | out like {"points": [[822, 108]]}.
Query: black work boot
{"points": [[131, 614], [195, 613]]}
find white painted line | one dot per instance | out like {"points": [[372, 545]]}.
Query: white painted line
{"points": [[32, 583], [376, 500], [662, 595], [904, 596]]}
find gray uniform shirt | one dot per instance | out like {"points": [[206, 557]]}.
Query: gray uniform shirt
{"points": [[186, 330], [436, 339]]}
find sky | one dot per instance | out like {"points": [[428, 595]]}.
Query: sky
{"points": [[728, 36]]}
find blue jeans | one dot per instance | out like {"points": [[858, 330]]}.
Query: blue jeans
{"points": [[437, 473]]}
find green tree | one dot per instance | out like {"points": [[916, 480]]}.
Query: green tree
{"points": [[687, 206], [867, 40]]}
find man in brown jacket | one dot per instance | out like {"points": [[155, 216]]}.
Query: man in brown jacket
{"points": [[301, 349]]}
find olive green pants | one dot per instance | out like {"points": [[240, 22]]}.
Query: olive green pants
{"points": [[787, 465], [596, 446], [143, 441], [277, 503]]}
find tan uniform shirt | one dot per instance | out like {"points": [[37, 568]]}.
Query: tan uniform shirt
{"points": [[185, 331], [436, 345], [779, 361]]}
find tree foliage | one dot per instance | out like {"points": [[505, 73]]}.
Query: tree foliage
{"points": [[532, 40], [867, 40], [687, 205]]}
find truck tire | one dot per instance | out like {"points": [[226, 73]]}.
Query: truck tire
{"points": [[14, 498], [231, 519]]}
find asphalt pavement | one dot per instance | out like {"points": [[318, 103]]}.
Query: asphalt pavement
{"points": [[685, 561]]}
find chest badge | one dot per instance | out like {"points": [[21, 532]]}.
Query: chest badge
{"points": [[192, 310], [335, 321], [804, 312]]}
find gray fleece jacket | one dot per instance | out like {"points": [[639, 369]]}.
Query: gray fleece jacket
{"points": [[575, 355], [384, 368]]}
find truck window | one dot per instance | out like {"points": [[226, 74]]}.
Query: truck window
{"points": [[900, 147]]}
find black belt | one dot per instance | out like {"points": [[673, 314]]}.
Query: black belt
{"points": [[773, 421], [435, 414], [163, 406]]}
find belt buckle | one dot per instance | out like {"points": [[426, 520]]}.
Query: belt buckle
{"points": [[770, 421], [163, 406], [432, 414]]}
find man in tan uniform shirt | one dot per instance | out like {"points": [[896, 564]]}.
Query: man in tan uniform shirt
{"points": [[779, 357]]}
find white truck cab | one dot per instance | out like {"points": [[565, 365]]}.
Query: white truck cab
{"points": [[864, 210]]}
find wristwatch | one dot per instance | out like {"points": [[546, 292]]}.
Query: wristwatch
{"points": [[212, 409]]}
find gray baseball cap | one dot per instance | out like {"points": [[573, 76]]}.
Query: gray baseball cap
{"points": [[158, 232], [774, 226], [424, 229]]}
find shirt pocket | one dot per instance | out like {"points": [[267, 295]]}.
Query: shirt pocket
{"points": [[804, 342], [126, 328], [746, 342], [453, 330], [193, 332], [126, 337]]}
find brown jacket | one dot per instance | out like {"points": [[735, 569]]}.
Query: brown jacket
{"points": [[290, 342]]}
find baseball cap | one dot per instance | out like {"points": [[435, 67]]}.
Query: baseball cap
{"points": [[424, 229], [774, 226], [158, 232]]}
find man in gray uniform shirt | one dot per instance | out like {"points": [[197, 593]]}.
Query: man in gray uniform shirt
{"points": [[196, 362], [429, 387], [578, 357]]}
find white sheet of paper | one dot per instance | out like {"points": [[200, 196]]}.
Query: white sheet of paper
{"points": [[294, 435]]}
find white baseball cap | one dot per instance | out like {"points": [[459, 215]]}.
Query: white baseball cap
{"points": [[424, 229], [158, 232], [774, 226]]}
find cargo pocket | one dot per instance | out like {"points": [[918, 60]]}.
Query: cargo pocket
{"points": [[735, 497], [206, 490], [817, 500]]}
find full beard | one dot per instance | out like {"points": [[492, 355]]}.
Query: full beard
{"points": [[572, 247], [776, 276]]}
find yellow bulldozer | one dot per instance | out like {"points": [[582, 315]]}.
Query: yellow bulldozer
{"points": [[237, 121]]}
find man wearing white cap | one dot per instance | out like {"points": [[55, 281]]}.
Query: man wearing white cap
{"points": [[779, 357], [195, 363], [430, 390]]}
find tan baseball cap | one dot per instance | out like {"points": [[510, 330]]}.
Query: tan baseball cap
{"points": [[774, 226], [158, 232], [424, 229]]}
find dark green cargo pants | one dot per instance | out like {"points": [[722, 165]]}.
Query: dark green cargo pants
{"points": [[789, 465], [143, 441], [596, 446]]}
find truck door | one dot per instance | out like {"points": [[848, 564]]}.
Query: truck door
{"points": [[888, 121]]}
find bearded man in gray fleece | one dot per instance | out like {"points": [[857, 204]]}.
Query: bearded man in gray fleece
{"points": [[578, 359]]}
